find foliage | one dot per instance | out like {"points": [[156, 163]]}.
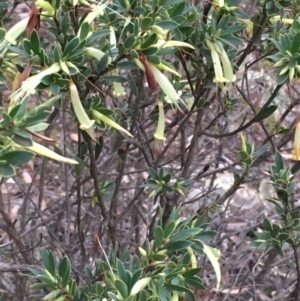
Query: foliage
{"points": [[274, 236], [167, 268], [158, 83]]}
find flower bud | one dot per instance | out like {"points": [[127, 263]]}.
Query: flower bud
{"points": [[140, 285]]}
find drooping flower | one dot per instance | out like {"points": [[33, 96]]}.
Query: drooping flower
{"points": [[218, 54], [119, 90], [172, 96], [12, 35], [100, 117], [46, 152], [28, 86], [97, 10], [160, 129], [86, 124]]}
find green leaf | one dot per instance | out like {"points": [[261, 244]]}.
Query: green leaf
{"points": [[263, 235], [154, 59], [64, 270], [263, 114], [54, 87], [102, 64], [22, 138], [2, 33], [27, 46], [158, 237], [185, 234], [6, 120], [48, 260], [7, 170], [283, 237], [230, 30], [151, 40], [71, 46], [84, 31], [278, 248], [142, 296], [115, 78], [195, 281], [127, 65], [122, 288], [152, 173], [113, 296], [18, 157], [35, 42], [206, 235], [177, 10], [57, 54], [136, 27], [167, 24], [267, 225], [178, 245], [37, 127], [191, 272], [146, 23], [279, 161], [121, 272], [282, 78], [169, 229], [129, 41], [172, 287]]}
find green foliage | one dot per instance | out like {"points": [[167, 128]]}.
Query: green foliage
{"points": [[287, 231], [160, 183], [93, 63], [167, 266]]}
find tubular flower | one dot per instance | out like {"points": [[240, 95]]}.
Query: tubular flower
{"points": [[100, 117], [86, 124], [97, 10], [167, 44], [96, 53], [165, 67], [159, 31], [172, 97], [283, 20], [175, 296], [218, 55], [160, 130], [296, 152], [119, 90], [12, 35], [29, 85], [46, 6], [46, 152]]}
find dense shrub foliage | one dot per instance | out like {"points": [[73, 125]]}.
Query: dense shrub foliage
{"points": [[121, 109]]}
